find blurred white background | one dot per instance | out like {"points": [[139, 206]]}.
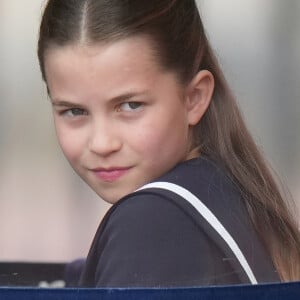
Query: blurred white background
{"points": [[46, 212]]}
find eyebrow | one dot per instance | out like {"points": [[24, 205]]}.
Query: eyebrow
{"points": [[64, 103], [123, 97], [129, 95]]}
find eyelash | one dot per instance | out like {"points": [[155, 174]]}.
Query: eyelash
{"points": [[134, 103], [73, 111], [78, 112]]}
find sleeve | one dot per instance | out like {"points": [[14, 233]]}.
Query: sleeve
{"points": [[149, 241]]}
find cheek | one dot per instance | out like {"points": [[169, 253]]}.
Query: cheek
{"points": [[70, 143], [149, 141], [162, 138]]}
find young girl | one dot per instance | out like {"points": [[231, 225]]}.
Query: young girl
{"points": [[144, 115]]}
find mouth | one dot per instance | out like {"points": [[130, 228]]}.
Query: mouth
{"points": [[110, 174]]}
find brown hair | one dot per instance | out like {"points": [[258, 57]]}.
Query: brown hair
{"points": [[179, 38]]}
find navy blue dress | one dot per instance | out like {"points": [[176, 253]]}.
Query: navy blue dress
{"points": [[155, 238]]}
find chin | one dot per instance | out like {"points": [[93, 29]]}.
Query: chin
{"points": [[111, 199]]}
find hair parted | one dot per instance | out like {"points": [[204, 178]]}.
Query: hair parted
{"points": [[180, 44], [90, 21]]}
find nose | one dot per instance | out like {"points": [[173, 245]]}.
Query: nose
{"points": [[104, 139]]}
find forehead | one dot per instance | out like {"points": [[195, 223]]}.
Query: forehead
{"points": [[123, 63], [138, 48], [133, 53]]}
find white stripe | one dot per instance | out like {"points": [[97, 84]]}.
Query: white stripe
{"points": [[210, 218]]}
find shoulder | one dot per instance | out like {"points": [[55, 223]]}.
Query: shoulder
{"points": [[148, 240], [151, 213]]}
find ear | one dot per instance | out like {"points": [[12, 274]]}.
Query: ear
{"points": [[198, 96]]}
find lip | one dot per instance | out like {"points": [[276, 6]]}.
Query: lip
{"points": [[110, 174]]}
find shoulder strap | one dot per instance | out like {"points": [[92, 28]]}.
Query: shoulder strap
{"points": [[207, 214]]}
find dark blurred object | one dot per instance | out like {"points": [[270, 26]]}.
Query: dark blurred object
{"points": [[30, 274], [73, 272]]}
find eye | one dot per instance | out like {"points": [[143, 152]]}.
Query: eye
{"points": [[74, 112], [130, 106]]}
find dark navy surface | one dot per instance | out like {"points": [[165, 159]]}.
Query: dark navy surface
{"points": [[289, 291]]}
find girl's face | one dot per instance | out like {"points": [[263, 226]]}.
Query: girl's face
{"points": [[120, 119]]}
